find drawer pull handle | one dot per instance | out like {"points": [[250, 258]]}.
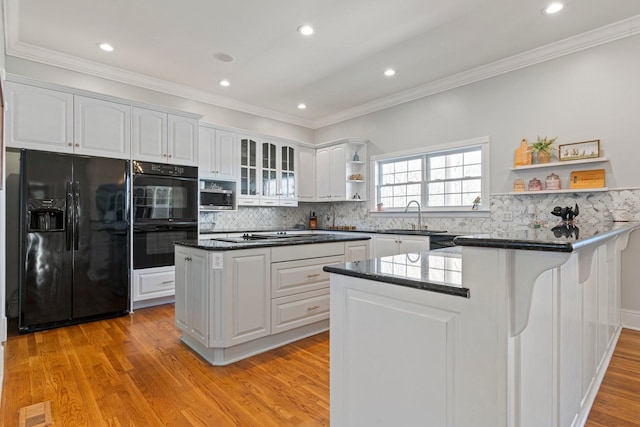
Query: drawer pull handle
{"points": [[166, 282], [314, 307], [311, 276]]}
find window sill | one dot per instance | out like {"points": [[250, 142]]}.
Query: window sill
{"points": [[480, 213]]}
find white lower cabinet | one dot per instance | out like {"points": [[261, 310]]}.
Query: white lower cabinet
{"points": [[357, 251], [391, 244], [152, 283], [299, 310], [191, 307], [244, 302], [233, 304]]}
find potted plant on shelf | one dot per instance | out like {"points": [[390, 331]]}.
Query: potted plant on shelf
{"points": [[542, 148]]}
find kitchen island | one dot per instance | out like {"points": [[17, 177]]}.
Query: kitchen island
{"points": [[512, 329], [237, 297]]}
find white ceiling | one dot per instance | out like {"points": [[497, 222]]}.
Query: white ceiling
{"points": [[338, 72]]}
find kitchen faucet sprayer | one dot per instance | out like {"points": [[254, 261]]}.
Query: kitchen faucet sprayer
{"points": [[406, 209]]}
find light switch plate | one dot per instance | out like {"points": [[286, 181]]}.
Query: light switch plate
{"points": [[216, 261]]}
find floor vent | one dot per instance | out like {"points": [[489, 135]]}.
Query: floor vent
{"points": [[38, 415]]}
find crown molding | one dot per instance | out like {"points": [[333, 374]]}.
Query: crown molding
{"points": [[616, 31], [599, 36]]}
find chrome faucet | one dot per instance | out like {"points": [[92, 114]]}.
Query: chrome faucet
{"points": [[419, 212]]}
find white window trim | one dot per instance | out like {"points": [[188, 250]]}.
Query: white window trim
{"points": [[483, 209]]}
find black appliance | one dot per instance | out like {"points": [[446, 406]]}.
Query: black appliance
{"points": [[216, 199], [165, 210], [74, 239], [441, 241]]}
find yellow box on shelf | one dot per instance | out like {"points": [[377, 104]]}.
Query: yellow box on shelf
{"points": [[587, 179]]}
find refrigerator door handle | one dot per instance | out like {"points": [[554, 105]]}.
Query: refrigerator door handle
{"points": [[69, 216], [76, 215]]}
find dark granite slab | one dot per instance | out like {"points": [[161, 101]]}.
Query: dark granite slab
{"points": [[560, 238], [305, 239], [408, 232], [435, 271]]}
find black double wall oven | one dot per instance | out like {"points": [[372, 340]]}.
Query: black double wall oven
{"points": [[165, 210]]}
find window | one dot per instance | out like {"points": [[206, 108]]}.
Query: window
{"points": [[452, 177]]}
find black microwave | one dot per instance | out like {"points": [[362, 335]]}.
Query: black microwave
{"points": [[216, 199]]}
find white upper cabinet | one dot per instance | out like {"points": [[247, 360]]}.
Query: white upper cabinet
{"points": [[38, 118], [341, 171], [149, 135], [268, 173], [165, 138], [218, 154], [288, 175], [182, 140], [101, 128], [44, 119], [306, 174], [330, 173]]}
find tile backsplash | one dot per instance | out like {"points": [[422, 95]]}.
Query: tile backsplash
{"points": [[506, 211]]}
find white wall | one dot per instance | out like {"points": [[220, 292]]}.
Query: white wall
{"points": [[588, 95], [210, 113]]}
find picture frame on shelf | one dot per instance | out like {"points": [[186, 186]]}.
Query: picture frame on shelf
{"points": [[579, 150]]}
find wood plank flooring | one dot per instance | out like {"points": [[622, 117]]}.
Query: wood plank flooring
{"points": [[618, 400], [134, 371]]}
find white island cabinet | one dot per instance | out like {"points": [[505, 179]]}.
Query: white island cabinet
{"points": [[237, 300], [513, 330]]}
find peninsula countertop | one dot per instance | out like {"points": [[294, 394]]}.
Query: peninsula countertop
{"points": [[559, 238], [441, 271], [436, 271]]}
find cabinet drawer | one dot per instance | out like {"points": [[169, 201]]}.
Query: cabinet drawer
{"points": [[299, 310], [157, 284], [291, 252], [292, 277]]}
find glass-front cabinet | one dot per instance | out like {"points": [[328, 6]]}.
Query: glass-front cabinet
{"points": [[269, 186], [267, 173], [288, 190], [249, 194]]}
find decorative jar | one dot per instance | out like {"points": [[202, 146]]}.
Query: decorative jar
{"points": [[535, 185]]}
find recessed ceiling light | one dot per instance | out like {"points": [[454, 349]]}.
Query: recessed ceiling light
{"points": [[553, 8], [305, 30], [225, 83], [105, 46], [223, 57], [389, 72], [301, 106]]}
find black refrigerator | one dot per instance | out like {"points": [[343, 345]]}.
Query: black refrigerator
{"points": [[75, 241]]}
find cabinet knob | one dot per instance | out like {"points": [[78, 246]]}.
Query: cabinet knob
{"points": [[70, 144], [313, 307], [170, 156], [77, 145]]}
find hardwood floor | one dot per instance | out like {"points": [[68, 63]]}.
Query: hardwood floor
{"points": [[134, 371], [618, 400]]}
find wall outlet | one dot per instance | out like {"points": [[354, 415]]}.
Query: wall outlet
{"points": [[216, 261], [507, 216]]}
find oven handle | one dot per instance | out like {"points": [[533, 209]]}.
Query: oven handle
{"points": [[165, 226]]}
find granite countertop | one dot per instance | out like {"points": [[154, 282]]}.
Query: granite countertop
{"points": [[560, 238], [335, 230], [435, 271], [305, 239]]}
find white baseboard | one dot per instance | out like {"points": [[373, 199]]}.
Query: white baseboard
{"points": [[630, 319]]}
